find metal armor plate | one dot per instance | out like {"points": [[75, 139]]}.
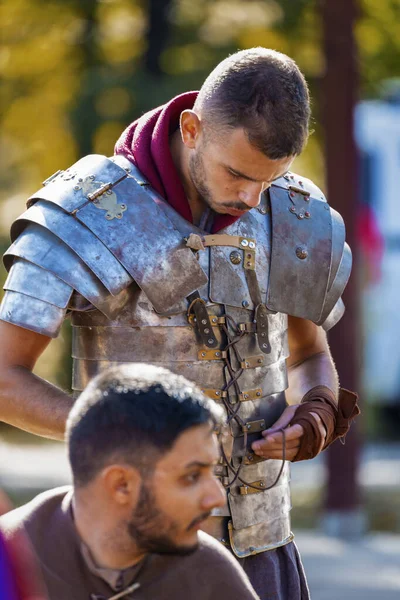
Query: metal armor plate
{"points": [[310, 262], [247, 378]]}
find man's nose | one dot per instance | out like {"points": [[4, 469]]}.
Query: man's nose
{"points": [[251, 194], [215, 495]]}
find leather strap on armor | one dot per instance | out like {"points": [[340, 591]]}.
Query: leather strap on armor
{"points": [[336, 419]]}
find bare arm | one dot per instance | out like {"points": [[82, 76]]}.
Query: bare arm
{"points": [[27, 401], [310, 362]]}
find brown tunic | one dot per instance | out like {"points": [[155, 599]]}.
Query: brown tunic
{"points": [[207, 574]]}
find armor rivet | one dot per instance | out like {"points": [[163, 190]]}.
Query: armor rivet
{"points": [[301, 183], [262, 484], [247, 364], [292, 177], [210, 341], [203, 354], [206, 330], [263, 334], [119, 215], [217, 393], [244, 243], [300, 216], [127, 169], [217, 354], [214, 319], [265, 345], [109, 192], [77, 187], [204, 322], [263, 210], [248, 426], [250, 457], [307, 215], [92, 177], [301, 253], [326, 207], [252, 245], [223, 540], [248, 264], [307, 198], [292, 209], [245, 303], [80, 179], [245, 396], [260, 361], [292, 194], [235, 257], [258, 394], [123, 206]]}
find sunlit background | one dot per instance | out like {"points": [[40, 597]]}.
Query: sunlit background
{"points": [[76, 72]]}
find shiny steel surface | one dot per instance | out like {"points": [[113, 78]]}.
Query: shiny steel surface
{"points": [[28, 279], [298, 287], [79, 239], [66, 235], [31, 313], [334, 316], [40, 247], [67, 190], [140, 334], [338, 285]]}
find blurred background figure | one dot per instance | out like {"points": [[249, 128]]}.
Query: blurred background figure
{"points": [[76, 73]]}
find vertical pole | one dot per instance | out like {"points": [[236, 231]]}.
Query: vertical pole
{"points": [[342, 514]]}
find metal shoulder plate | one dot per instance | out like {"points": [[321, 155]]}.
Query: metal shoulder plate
{"points": [[96, 229], [310, 260]]}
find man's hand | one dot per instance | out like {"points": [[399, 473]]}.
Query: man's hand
{"points": [[272, 444]]}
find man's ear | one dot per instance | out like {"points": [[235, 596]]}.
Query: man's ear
{"points": [[190, 126], [121, 484]]}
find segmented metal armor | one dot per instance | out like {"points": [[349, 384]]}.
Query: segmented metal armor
{"points": [[144, 285]]}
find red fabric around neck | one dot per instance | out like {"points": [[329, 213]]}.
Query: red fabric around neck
{"points": [[145, 142]]}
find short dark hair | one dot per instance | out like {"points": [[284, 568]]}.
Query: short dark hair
{"points": [[132, 413], [265, 93]]}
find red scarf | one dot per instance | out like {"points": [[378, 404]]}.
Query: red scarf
{"points": [[145, 142]]}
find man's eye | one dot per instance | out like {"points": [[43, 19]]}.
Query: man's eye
{"points": [[192, 477], [234, 175]]}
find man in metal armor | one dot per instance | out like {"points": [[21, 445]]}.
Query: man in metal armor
{"points": [[196, 248]]}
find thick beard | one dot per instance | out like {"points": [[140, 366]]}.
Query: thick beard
{"points": [[198, 177], [150, 529]]}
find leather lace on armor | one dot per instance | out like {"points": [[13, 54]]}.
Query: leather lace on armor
{"points": [[232, 381]]}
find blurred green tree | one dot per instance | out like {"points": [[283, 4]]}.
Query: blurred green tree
{"points": [[76, 72]]}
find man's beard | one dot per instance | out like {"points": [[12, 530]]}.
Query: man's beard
{"points": [[198, 176], [154, 532]]}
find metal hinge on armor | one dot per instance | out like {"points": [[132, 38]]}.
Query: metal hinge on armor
{"points": [[176, 272]]}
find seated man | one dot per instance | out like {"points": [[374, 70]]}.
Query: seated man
{"points": [[142, 450]]}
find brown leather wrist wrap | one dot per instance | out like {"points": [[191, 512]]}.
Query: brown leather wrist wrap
{"points": [[337, 419]]}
